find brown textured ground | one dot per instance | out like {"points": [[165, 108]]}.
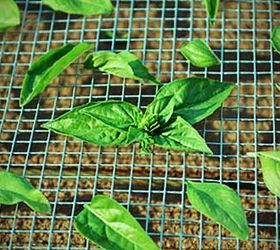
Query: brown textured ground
{"points": [[82, 163]]}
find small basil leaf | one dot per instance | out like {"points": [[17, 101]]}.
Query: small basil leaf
{"points": [[117, 114], [10, 16], [47, 68], [275, 39], [270, 161], [192, 98], [77, 124], [221, 204], [15, 189], [81, 7], [110, 226], [199, 53], [212, 7], [158, 113], [278, 86], [179, 134], [137, 135], [123, 64]]}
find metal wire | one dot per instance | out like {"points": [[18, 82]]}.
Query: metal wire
{"points": [[69, 172]]}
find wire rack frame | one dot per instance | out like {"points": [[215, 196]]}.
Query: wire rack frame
{"points": [[69, 172]]}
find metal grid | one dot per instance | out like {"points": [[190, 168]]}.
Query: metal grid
{"points": [[69, 172]]}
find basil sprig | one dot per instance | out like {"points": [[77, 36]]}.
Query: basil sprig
{"points": [[15, 189], [112, 123], [109, 225]]}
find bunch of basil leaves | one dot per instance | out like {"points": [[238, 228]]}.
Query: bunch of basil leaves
{"points": [[167, 121]]}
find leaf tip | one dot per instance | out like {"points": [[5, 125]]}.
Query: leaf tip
{"points": [[23, 101], [207, 150], [46, 208], [46, 125], [156, 81]]}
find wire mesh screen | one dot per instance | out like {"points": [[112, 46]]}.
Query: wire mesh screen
{"points": [[152, 187]]}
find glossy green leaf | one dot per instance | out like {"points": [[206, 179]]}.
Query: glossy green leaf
{"points": [[212, 7], [10, 15], [192, 98], [221, 204], [123, 64], [275, 38], [199, 53], [81, 7], [179, 134], [105, 126], [278, 86], [15, 189], [116, 114], [110, 226], [47, 68], [270, 161]]}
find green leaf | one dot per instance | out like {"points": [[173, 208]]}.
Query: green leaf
{"points": [[47, 68], [192, 98], [278, 86], [212, 7], [157, 113], [179, 134], [270, 161], [221, 204], [199, 53], [123, 64], [116, 114], [9, 16], [15, 189], [275, 38], [81, 7], [110, 226], [104, 123]]}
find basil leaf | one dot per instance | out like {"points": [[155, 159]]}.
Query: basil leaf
{"points": [[15, 189], [278, 86], [199, 53], [270, 161], [138, 135], [10, 16], [275, 39], [81, 7], [47, 68], [192, 98], [99, 129], [221, 204], [179, 134], [157, 113], [123, 64], [110, 226], [212, 7], [116, 114]]}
